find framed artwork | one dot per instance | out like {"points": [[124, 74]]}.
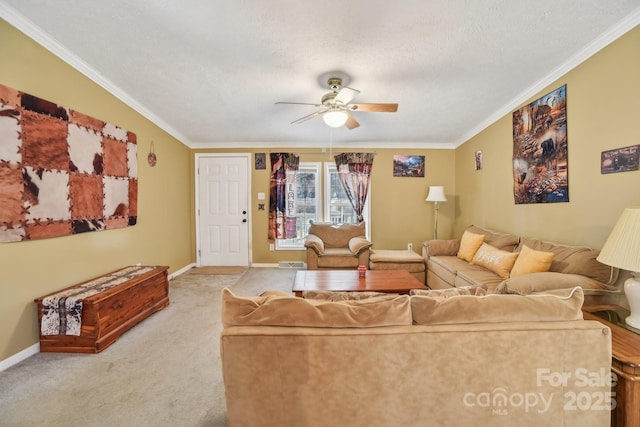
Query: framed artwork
{"points": [[619, 160], [261, 161], [540, 167], [408, 166], [478, 160]]}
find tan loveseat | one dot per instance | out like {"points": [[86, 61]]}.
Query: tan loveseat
{"points": [[570, 265], [336, 247], [494, 360]]}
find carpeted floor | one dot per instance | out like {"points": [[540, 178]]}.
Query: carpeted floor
{"points": [[163, 372]]}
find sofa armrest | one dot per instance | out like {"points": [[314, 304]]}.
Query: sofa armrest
{"points": [[358, 244], [314, 242], [440, 247]]}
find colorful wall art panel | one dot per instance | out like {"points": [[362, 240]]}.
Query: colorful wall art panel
{"points": [[540, 166], [61, 171]]}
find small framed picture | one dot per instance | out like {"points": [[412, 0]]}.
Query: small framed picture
{"points": [[478, 160], [261, 161], [408, 166], [619, 160]]}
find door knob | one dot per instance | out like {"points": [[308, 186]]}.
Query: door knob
{"points": [[244, 220]]}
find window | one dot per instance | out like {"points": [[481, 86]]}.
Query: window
{"points": [[330, 205]]}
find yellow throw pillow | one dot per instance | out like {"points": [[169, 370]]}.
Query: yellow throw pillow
{"points": [[496, 260], [469, 245], [531, 261]]}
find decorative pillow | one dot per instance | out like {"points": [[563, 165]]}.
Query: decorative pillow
{"points": [[445, 293], [343, 296], [469, 244], [498, 308], [277, 310], [531, 261], [540, 282], [442, 247], [358, 244], [503, 241], [494, 259]]}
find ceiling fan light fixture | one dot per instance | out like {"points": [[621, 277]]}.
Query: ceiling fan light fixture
{"points": [[335, 119]]}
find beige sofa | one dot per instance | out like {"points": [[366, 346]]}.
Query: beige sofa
{"points": [[494, 360], [336, 246], [570, 265]]}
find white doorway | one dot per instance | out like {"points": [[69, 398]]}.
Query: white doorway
{"points": [[223, 209]]}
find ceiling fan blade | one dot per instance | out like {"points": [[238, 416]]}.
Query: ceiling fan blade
{"points": [[299, 103], [346, 94], [310, 116], [380, 108], [351, 123]]}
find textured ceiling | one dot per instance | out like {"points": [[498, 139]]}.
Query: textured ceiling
{"points": [[209, 72]]}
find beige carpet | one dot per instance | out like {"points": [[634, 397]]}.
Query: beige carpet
{"points": [[163, 372]]}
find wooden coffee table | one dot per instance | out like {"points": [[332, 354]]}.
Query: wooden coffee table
{"points": [[391, 281]]}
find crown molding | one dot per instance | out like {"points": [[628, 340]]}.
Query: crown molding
{"points": [[32, 31], [348, 145], [582, 55]]}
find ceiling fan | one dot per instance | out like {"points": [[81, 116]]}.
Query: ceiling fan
{"points": [[336, 106]]}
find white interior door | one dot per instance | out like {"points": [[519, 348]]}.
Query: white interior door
{"points": [[223, 210]]}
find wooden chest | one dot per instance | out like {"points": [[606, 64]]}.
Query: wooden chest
{"points": [[109, 313]]}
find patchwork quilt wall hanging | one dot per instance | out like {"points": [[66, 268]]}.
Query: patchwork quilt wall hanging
{"points": [[62, 172]]}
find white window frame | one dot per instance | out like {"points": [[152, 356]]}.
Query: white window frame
{"points": [[323, 171], [330, 168], [289, 244]]}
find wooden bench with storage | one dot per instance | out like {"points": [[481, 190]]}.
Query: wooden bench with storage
{"points": [[90, 316]]}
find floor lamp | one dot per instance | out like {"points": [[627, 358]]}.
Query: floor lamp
{"points": [[436, 195], [622, 250]]}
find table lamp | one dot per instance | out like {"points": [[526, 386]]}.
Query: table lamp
{"points": [[436, 195], [622, 250]]}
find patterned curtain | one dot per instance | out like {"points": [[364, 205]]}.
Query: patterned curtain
{"points": [[282, 195], [354, 170]]}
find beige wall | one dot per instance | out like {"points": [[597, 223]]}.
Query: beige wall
{"points": [[163, 235], [603, 106], [399, 213], [603, 96]]}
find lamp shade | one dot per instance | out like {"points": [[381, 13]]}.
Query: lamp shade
{"points": [[335, 119], [622, 248], [436, 194]]}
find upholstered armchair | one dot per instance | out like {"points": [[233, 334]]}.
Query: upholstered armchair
{"points": [[336, 246]]}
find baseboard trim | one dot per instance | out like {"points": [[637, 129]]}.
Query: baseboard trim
{"points": [[181, 271], [19, 357], [264, 265]]}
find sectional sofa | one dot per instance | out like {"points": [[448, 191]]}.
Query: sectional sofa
{"points": [[429, 359], [508, 263]]}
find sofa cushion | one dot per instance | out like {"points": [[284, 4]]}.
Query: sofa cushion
{"points": [[343, 296], [337, 258], [494, 259], [503, 241], [544, 281], [446, 267], [277, 310], [469, 245], [474, 275], [531, 261], [498, 308], [336, 236], [574, 260], [446, 293]]}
